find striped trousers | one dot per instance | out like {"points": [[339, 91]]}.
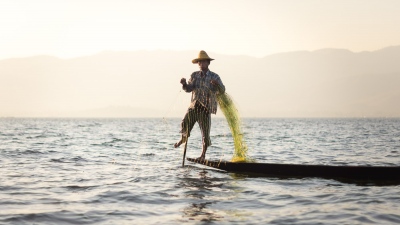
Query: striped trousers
{"points": [[202, 116]]}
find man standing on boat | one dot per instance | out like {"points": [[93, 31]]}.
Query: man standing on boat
{"points": [[204, 85]]}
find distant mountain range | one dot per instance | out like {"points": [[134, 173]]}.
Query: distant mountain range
{"points": [[322, 83]]}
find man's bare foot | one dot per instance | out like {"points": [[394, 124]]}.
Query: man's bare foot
{"points": [[201, 158], [177, 144]]}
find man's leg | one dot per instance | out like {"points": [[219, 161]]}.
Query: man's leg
{"points": [[186, 126], [204, 121]]}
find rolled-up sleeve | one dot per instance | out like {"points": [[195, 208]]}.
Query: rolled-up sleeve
{"points": [[221, 86]]}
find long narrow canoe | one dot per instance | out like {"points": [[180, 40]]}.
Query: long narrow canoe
{"points": [[383, 173]]}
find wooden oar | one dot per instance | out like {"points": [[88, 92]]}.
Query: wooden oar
{"points": [[184, 153]]}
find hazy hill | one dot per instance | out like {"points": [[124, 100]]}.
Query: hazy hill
{"points": [[323, 83]]}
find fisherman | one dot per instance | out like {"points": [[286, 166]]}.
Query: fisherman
{"points": [[204, 85]]}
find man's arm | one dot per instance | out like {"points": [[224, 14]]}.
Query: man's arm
{"points": [[217, 83], [188, 87]]}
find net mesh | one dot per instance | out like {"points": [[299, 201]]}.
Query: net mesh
{"points": [[231, 114]]}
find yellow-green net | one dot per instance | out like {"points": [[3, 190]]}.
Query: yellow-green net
{"points": [[231, 114]]}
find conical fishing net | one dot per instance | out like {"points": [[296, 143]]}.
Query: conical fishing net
{"points": [[231, 114]]}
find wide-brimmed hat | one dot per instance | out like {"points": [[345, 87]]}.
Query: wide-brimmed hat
{"points": [[202, 56]]}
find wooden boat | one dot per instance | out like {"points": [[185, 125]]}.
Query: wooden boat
{"points": [[382, 173]]}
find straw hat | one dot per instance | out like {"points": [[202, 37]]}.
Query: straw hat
{"points": [[202, 56]]}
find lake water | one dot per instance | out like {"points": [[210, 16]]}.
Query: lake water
{"points": [[125, 171]]}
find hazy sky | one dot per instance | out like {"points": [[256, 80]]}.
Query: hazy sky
{"points": [[70, 28]]}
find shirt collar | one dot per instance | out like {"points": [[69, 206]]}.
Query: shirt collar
{"points": [[207, 73]]}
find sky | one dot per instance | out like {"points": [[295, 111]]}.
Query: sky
{"points": [[72, 28]]}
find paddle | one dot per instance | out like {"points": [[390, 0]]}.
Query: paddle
{"points": [[184, 153]]}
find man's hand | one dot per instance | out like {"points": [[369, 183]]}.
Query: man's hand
{"points": [[214, 82], [183, 81]]}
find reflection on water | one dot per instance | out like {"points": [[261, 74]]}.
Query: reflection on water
{"points": [[201, 188], [200, 212]]}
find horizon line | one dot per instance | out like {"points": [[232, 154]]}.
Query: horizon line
{"points": [[171, 50]]}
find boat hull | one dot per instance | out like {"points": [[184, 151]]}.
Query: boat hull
{"points": [[298, 170]]}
